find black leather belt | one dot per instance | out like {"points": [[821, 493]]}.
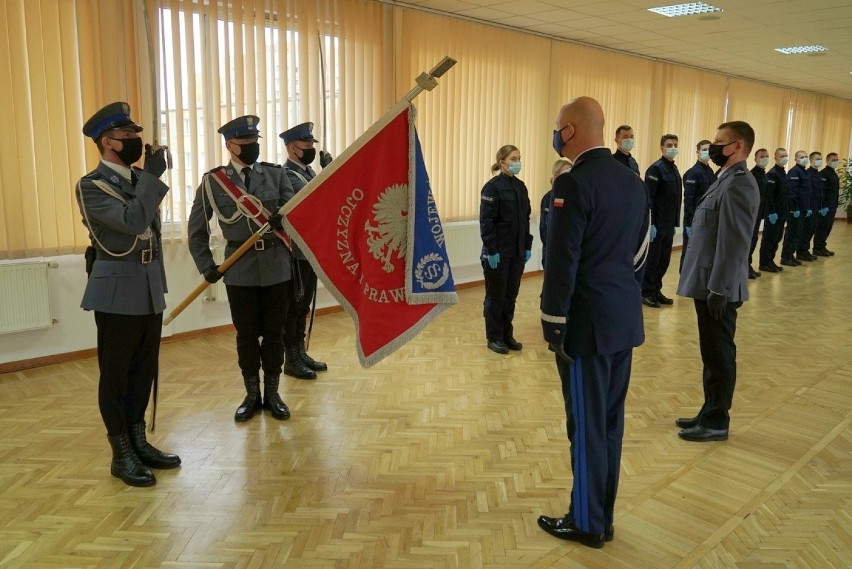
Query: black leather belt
{"points": [[145, 256], [259, 245]]}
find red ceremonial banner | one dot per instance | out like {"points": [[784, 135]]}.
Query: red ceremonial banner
{"points": [[353, 227]]}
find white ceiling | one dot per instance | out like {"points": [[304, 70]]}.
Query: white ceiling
{"points": [[741, 42]]}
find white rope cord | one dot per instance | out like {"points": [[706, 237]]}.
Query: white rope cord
{"points": [[241, 212], [104, 187], [642, 253]]}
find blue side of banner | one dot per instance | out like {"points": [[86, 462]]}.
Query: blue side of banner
{"points": [[431, 277]]}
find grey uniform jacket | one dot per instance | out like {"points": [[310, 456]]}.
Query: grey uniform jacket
{"points": [[124, 284], [266, 267], [299, 178], [717, 254]]}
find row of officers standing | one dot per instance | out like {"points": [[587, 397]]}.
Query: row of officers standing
{"points": [[270, 288], [797, 206]]}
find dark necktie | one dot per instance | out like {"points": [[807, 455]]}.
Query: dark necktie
{"points": [[133, 178], [246, 174]]}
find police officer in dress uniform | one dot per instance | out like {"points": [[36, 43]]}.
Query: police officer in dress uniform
{"points": [[828, 207], [761, 161], [775, 213], [814, 201], [696, 180], [126, 286], [715, 275], [259, 283], [799, 187], [663, 182], [591, 312], [300, 154]]}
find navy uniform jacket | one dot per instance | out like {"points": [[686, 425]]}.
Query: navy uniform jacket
{"points": [[124, 285], [299, 177], [504, 217], [664, 187], [255, 268], [542, 221], [830, 189], [627, 160], [760, 177], [777, 194], [696, 180], [716, 258], [799, 186], [591, 297], [815, 197]]}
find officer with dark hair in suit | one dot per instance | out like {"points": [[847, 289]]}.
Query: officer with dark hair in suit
{"points": [[591, 312], [799, 187], [259, 283], [127, 282], [715, 275], [812, 206], [761, 161], [300, 154], [663, 182], [828, 207], [775, 212], [696, 180]]}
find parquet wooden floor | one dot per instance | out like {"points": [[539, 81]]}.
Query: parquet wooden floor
{"points": [[444, 455]]}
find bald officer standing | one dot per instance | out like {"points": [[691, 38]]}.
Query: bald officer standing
{"points": [[591, 312], [258, 284], [715, 275], [127, 283]]}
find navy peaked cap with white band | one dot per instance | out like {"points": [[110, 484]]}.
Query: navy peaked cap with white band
{"points": [[240, 126]]}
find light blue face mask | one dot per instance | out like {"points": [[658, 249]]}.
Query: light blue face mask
{"points": [[628, 144], [784, 161], [514, 168], [817, 163], [704, 155], [803, 161], [763, 162], [671, 152]]}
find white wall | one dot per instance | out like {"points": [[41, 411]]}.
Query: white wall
{"points": [[75, 327]]}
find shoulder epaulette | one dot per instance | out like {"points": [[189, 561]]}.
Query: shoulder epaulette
{"points": [[93, 174], [270, 164], [216, 169], [740, 173]]}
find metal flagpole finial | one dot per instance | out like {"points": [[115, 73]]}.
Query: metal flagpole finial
{"points": [[428, 81]]}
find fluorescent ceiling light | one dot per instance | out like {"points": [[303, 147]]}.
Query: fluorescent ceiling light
{"points": [[801, 49], [684, 9]]}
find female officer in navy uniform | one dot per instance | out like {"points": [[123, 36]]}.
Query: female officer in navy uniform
{"points": [[504, 225]]}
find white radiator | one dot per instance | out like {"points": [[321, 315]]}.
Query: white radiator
{"points": [[24, 298], [216, 292]]}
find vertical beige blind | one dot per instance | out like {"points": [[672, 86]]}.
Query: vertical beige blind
{"points": [[765, 107], [213, 61], [494, 96]]}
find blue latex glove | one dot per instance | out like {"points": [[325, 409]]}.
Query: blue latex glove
{"points": [[527, 255], [653, 233], [809, 213], [494, 260], [796, 213], [823, 212], [688, 231], [773, 218]]}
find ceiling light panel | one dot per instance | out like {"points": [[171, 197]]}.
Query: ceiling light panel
{"points": [[801, 49], [688, 9]]}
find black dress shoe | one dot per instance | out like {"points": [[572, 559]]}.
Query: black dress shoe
{"points": [[803, 257], [650, 301], [687, 422], [663, 299], [777, 267], [699, 434], [798, 262], [789, 262], [498, 347], [514, 345], [609, 533], [821, 253], [768, 268], [564, 529], [751, 274]]}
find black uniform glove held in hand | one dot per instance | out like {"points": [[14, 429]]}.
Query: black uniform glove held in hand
{"points": [[275, 221], [212, 274], [716, 305], [157, 161], [325, 158], [560, 353]]}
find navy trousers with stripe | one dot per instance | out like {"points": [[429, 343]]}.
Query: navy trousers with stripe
{"points": [[594, 388]]}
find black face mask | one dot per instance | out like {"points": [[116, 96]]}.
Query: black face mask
{"points": [[717, 154], [131, 150], [308, 155], [249, 152]]}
